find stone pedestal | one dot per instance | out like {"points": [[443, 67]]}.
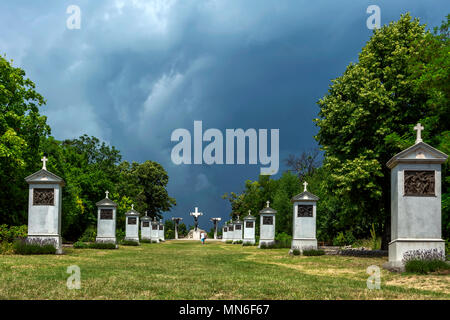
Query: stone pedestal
{"points": [[106, 220], [230, 233], [238, 229], [132, 225], [44, 208], [146, 228], [304, 221], [161, 231], [155, 231], [267, 226], [176, 221], [215, 222], [416, 217], [249, 229], [224, 233]]}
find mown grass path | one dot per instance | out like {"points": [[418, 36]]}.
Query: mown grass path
{"points": [[188, 270]]}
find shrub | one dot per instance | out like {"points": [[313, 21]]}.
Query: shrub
{"points": [[247, 244], [283, 240], [263, 245], [363, 253], [146, 241], [339, 240], [120, 235], [425, 266], [373, 238], [102, 245], [89, 234], [22, 247], [6, 248], [349, 238], [9, 234], [313, 252], [229, 241], [237, 242], [80, 245], [296, 252], [129, 243], [425, 261]]}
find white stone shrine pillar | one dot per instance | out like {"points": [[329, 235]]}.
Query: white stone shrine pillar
{"points": [[155, 231], [215, 222], [249, 229], [161, 231], [224, 233], [44, 207], [267, 226], [146, 228], [132, 225], [106, 220], [416, 217], [230, 234], [237, 230], [176, 221], [304, 220]]}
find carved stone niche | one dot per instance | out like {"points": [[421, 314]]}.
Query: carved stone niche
{"points": [[419, 183], [43, 197], [161, 227], [154, 227], [146, 224], [106, 214], [268, 220], [225, 229], [304, 211], [249, 224], [231, 228], [238, 227], [132, 220]]}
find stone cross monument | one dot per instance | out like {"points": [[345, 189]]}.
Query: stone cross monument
{"points": [[416, 217], [304, 220], [215, 222], [132, 225], [106, 220], [146, 228], [177, 221], [237, 230], [267, 225], [44, 207], [249, 229]]}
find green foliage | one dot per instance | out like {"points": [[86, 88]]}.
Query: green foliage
{"points": [[9, 234], [21, 127], [89, 234], [6, 247], [129, 243], [425, 266], [313, 252], [80, 245], [146, 241], [296, 252], [374, 238], [238, 242], [283, 240], [339, 240], [21, 247], [93, 245], [229, 241]]}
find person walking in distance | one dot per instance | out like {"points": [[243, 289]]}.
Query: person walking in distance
{"points": [[203, 237]]}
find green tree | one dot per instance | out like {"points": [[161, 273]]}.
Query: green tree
{"points": [[21, 128], [363, 118]]}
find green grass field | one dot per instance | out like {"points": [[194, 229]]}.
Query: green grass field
{"points": [[188, 270]]}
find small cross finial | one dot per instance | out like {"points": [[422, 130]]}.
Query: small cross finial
{"points": [[44, 163], [145, 212], [419, 129], [107, 193], [249, 212], [305, 184], [268, 203], [132, 207]]}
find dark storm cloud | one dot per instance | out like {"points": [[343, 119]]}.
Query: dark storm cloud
{"points": [[137, 70]]}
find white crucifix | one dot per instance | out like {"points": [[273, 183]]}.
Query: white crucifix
{"points": [[107, 193], [419, 129], [196, 214], [44, 163], [305, 184], [268, 202]]}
